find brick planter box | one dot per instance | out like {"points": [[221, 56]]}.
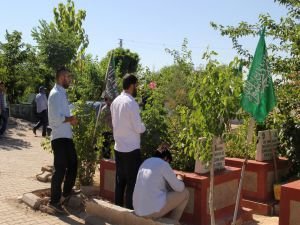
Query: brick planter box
{"points": [[290, 204], [107, 179], [258, 183], [197, 211]]}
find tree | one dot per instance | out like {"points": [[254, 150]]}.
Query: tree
{"points": [[125, 61], [14, 54], [286, 32], [63, 40], [67, 20], [284, 58], [88, 79]]}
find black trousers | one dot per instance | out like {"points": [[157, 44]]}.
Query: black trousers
{"points": [[65, 167], [43, 121], [127, 166], [3, 120]]}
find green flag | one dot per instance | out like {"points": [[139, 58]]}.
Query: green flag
{"points": [[258, 96]]}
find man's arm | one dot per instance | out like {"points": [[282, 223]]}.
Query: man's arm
{"points": [[169, 175], [135, 117], [56, 116]]}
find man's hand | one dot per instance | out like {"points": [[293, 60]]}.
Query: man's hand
{"points": [[180, 177], [72, 120]]}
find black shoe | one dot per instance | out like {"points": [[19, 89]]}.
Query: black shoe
{"points": [[66, 198], [57, 207], [34, 131], [75, 192]]}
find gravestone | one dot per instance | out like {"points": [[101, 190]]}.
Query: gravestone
{"points": [[267, 141], [219, 158]]}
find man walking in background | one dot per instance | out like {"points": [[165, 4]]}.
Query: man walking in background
{"points": [[42, 111], [65, 157], [127, 127], [3, 109]]}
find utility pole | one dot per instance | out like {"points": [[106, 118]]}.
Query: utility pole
{"points": [[120, 42]]}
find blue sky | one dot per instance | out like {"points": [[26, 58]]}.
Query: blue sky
{"points": [[147, 27]]}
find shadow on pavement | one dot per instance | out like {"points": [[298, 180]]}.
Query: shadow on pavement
{"points": [[69, 220], [9, 144]]}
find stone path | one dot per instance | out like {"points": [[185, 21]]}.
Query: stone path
{"points": [[21, 158]]}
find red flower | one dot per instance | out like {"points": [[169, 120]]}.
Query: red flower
{"points": [[152, 85]]}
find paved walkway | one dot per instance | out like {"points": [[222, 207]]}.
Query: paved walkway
{"points": [[21, 158]]}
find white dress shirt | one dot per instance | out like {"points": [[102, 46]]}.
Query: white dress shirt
{"points": [[41, 102], [150, 191], [58, 107], [127, 124]]}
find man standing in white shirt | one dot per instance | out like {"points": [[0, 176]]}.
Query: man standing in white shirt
{"points": [[42, 110], [127, 128], [65, 157], [157, 191]]}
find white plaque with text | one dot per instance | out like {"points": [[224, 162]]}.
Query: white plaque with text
{"points": [[219, 158], [267, 141]]}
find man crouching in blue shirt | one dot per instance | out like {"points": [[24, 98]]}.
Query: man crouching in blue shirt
{"points": [[65, 157]]}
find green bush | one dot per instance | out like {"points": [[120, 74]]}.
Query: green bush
{"points": [[235, 142], [86, 144], [215, 95]]}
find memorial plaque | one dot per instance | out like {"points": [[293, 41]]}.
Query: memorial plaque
{"points": [[219, 159], [219, 154], [267, 141]]}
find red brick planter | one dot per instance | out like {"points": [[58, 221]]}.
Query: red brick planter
{"points": [[107, 179], [258, 183], [197, 211], [290, 204]]}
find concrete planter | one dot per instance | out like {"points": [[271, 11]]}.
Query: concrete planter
{"points": [[290, 204], [197, 210], [258, 183]]}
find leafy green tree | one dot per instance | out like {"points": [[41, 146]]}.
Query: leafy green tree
{"points": [[63, 40], [215, 96], [284, 58], [285, 33], [67, 20], [125, 61], [88, 79], [14, 55]]}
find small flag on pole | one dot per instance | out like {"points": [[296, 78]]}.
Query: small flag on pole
{"points": [[258, 96], [111, 88]]}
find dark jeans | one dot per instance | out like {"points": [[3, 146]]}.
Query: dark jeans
{"points": [[127, 166], [4, 120], [65, 166], [108, 139], [43, 121]]}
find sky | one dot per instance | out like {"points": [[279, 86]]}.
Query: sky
{"points": [[147, 27]]}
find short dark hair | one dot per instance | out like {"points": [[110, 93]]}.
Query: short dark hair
{"points": [[129, 79], [62, 70], [163, 152], [1, 82]]}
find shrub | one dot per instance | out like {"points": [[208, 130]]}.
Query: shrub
{"points": [[86, 143]]}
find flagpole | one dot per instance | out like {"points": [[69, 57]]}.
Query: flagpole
{"points": [[249, 139], [211, 184]]}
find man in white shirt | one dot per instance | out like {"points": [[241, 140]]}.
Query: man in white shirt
{"points": [[41, 109], [158, 191], [127, 127], [65, 157]]}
